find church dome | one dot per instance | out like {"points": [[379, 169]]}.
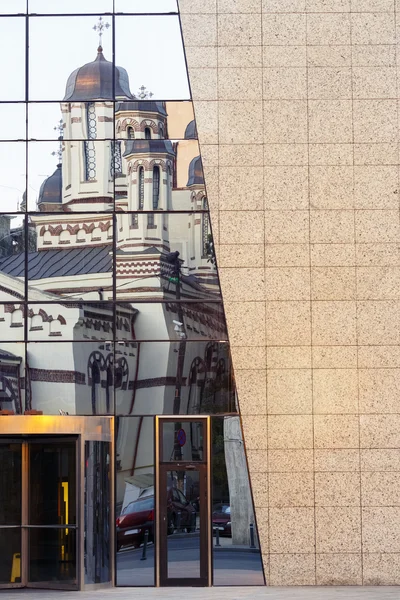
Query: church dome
{"points": [[196, 176], [51, 189], [191, 131], [94, 81]]}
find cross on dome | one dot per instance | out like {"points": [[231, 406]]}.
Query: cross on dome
{"points": [[144, 93], [100, 27], [60, 128]]}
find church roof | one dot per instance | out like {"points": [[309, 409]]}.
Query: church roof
{"points": [[51, 188], [191, 131], [56, 263], [196, 176], [95, 81], [142, 105], [148, 146]]}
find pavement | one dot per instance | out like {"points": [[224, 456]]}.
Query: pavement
{"points": [[215, 593]]}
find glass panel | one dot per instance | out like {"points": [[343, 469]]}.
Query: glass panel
{"points": [[135, 501], [67, 321], [12, 67], [171, 320], [233, 518], [70, 176], [12, 377], [10, 556], [52, 483], [151, 6], [14, 7], [183, 523], [12, 321], [73, 259], [186, 378], [183, 441], [132, 35], [77, 380], [165, 257], [52, 555], [72, 6], [70, 121], [181, 123], [12, 121], [10, 484], [68, 80], [12, 175], [12, 258], [97, 512]]}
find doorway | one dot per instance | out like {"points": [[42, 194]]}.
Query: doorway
{"points": [[39, 512], [183, 498]]}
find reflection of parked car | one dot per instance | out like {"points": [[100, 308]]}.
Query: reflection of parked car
{"points": [[221, 519], [138, 516], [133, 521]]}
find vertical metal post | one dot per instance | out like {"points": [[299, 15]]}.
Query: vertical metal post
{"points": [[146, 539], [252, 537], [217, 544]]}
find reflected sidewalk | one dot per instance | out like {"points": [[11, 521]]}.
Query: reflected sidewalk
{"points": [[223, 593]]}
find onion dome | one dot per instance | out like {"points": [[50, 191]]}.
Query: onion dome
{"points": [[95, 80], [148, 146], [191, 131], [196, 176], [51, 189], [143, 106]]}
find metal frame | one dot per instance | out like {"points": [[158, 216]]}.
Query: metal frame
{"points": [[204, 468], [43, 428]]}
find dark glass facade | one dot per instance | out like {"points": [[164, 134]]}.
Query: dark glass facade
{"points": [[110, 303]]}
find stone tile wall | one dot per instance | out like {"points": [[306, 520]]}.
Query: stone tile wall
{"points": [[298, 117]]}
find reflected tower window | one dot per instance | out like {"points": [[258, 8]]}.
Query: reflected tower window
{"points": [[141, 188], [130, 132], [147, 133], [205, 229], [95, 384], [156, 187], [89, 146]]}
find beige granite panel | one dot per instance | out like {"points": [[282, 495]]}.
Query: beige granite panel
{"points": [[378, 356], [290, 461], [290, 432], [259, 488], [378, 322], [287, 283], [331, 187], [379, 390], [337, 489], [291, 489], [238, 227], [242, 28], [238, 256], [285, 121], [380, 431], [381, 529], [284, 29], [338, 529], [288, 323], [380, 460], [335, 391], [289, 391], [251, 388], [255, 432], [234, 119], [330, 121], [380, 489], [333, 283], [241, 190], [291, 530], [329, 56], [334, 323], [287, 227], [233, 57], [287, 255], [381, 568], [373, 28], [249, 358], [375, 121], [337, 460], [331, 155], [286, 357], [334, 357], [246, 313], [286, 188], [188, 6], [281, 155], [292, 569], [336, 431], [339, 569], [332, 255], [239, 83]]}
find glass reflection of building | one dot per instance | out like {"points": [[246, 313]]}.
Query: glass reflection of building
{"points": [[111, 305]]}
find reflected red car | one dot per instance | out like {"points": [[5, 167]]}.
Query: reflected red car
{"points": [[137, 516], [221, 519]]}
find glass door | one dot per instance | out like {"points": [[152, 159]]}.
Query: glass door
{"points": [[52, 514], [38, 513], [183, 499], [10, 513]]}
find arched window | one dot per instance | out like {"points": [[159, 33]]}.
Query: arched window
{"points": [[109, 385], [141, 188], [95, 383], [130, 132], [156, 187], [147, 133], [161, 130]]}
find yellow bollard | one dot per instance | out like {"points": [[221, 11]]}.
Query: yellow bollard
{"points": [[16, 568]]}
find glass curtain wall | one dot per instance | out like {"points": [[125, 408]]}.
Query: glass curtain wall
{"points": [[110, 300]]}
